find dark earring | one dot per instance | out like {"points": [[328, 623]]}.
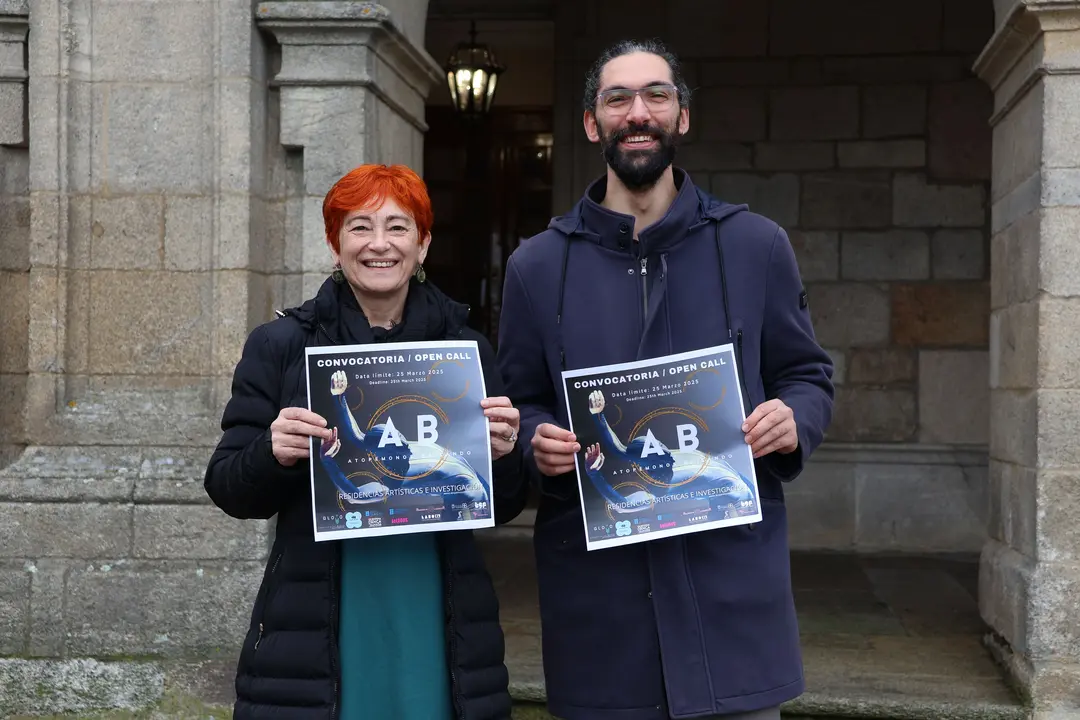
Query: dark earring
{"points": [[421, 276], [338, 276]]}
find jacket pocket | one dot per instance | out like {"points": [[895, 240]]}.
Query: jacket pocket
{"points": [[595, 606], [740, 364], [262, 606], [743, 584], [565, 531]]}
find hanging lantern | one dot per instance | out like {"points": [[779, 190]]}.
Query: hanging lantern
{"points": [[471, 73]]}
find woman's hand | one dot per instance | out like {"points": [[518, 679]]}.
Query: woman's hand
{"points": [[289, 434], [505, 422]]}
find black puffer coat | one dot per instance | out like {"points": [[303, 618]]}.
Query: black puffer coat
{"points": [[288, 665]]}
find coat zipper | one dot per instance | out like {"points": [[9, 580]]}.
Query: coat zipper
{"points": [[645, 287], [746, 392], [334, 625], [262, 629], [334, 617], [452, 634], [742, 376]]}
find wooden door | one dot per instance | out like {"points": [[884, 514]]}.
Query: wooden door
{"points": [[491, 187]]}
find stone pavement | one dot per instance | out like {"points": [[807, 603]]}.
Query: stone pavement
{"points": [[883, 637]]}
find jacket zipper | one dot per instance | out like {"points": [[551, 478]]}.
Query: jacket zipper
{"points": [[645, 286], [746, 392], [334, 612], [334, 590], [452, 634], [262, 629], [742, 376]]}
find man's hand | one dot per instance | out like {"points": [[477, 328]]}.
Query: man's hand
{"points": [[289, 434], [554, 449], [771, 428]]}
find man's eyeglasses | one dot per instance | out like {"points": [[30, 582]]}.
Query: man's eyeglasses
{"points": [[618, 101]]}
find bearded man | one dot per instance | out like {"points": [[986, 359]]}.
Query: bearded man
{"points": [[648, 265]]}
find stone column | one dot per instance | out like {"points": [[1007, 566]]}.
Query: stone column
{"points": [[1030, 576], [352, 89]]}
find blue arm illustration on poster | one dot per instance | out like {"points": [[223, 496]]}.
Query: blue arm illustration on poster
{"points": [[691, 471], [420, 466]]}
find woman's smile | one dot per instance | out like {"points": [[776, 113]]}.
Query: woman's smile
{"points": [[379, 264]]}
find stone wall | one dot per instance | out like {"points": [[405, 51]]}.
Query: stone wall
{"points": [[14, 228], [14, 292], [165, 196], [162, 200], [861, 129], [1030, 572], [129, 264]]}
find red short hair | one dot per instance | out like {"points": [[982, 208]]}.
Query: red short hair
{"points": [[369, 186]]}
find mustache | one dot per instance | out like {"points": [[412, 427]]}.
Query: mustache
{"points": [[635, 129]]}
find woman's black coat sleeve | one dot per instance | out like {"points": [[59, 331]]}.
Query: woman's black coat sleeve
{"points": [[509, 486], [243, 477]]}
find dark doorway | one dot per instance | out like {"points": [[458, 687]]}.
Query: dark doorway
{"points": [[490, 184]]}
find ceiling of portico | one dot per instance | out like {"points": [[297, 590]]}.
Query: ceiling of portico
{"points": [[521, 33], [492, 9]]}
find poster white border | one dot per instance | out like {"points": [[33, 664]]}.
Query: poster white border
{"points": [[726, 349], [347, 533]]}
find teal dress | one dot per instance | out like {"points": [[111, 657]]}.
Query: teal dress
{"points": [[392, 635]]}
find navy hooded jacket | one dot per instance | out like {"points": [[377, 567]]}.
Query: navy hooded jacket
{"points": [[697, 624]]}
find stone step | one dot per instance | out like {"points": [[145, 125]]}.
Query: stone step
{"points": [[887, 637], [532, 711], [910, 703]]}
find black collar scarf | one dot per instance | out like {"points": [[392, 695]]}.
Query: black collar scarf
{"points": [[427, 317]]}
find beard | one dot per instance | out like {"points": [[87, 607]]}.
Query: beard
{"points": [[639, 169]]}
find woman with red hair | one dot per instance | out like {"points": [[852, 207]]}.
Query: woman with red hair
{"points": [[400, 627]]}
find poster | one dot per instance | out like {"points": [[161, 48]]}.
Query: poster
{"points": [[662, 447], [410, 451]]}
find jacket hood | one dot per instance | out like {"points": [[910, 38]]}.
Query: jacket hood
{"points": [[701, 205]]}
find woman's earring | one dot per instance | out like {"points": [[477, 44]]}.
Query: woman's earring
{"points": [[421, 276], [338, 275]]}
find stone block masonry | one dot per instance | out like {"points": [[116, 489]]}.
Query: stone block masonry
{"points": [[880, 175], [14, 295], [1030, 574], [75, 546], [14, 226], [158, 198], [124, 561], [865, 133], [163, 195]]}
